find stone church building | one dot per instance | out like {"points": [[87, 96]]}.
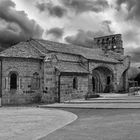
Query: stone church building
{"points": [[42, 70]]}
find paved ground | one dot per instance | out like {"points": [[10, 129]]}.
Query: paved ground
{"points": [[95, 106], [30, 123], [107, 101], [100, 124]]}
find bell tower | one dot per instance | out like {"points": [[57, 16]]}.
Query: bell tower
{"points": [[110, 43]]}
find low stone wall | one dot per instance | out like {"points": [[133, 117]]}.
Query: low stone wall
{"points": [[24, 98], [48, 98]]}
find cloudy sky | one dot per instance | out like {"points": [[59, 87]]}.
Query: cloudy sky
{"points": [[71, 21]]}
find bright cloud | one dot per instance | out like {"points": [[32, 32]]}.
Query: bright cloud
{"points": [[73, 21]]}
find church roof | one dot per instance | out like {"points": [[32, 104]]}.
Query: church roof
{"points": [[67, 57], [88, 53], [36, 48], [22, 50], [71, 68]]}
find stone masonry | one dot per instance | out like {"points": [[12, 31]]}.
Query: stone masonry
{"points": [[46, 71]]}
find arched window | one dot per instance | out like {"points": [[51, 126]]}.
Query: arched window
{"points": [[35, 83], [103, 41], [13, 81], [75, 83], [98, 41]]}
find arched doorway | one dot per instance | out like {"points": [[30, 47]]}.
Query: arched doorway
{"points": [[103, 79], [13, 81], [93, 84]]}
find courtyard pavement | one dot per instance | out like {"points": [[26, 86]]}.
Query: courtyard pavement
{"points": [[106, 101], [30, 123], [100, 124]]}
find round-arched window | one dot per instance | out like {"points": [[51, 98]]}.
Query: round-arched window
{"points": [[35, 83], [75, 83], [13, 81]]}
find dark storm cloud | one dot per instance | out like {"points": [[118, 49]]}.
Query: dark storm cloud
{"points": [[132, 36], [56, 32], [80, 6], [86, 38], [81, 38], [133, 7], [53, 10], [135, 54], [15, 25]]}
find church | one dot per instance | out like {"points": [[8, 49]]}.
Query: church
{"points": [[46, 71]]}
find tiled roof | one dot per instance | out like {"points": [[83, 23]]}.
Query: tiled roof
{"points": [[23, 50], [67, 57], [70, 68], [36, 48], [117, 56], [65, 48], [92, 54]]}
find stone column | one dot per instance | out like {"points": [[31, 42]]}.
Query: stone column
{"points": [[115, 82], [90, 84], [126, 81], [49, 82], [8, 84]]}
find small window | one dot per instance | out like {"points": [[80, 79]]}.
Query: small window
{"points": [[13, 81], [103, 41], [35, 83], [113, 40], [75, 83]]}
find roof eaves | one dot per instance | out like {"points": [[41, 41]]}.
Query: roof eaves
{"points": [[21, 57], [115, 62]]}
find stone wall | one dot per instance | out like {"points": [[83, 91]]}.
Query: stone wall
{"points": [[119, 78], [111, 42], [24, 68], [49, 94], [48, 76], [66, 87]]}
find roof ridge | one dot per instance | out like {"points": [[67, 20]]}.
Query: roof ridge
{"points": [[36, 48], [87, 53], [35, 40], [52, 47], [67, 45]]}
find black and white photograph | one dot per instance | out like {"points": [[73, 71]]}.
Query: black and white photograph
{"points": [[69, 70]]}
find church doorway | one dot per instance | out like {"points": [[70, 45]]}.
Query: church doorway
{"points": [[13, 81], [102, 81], [108, 80], [93, 84]]}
